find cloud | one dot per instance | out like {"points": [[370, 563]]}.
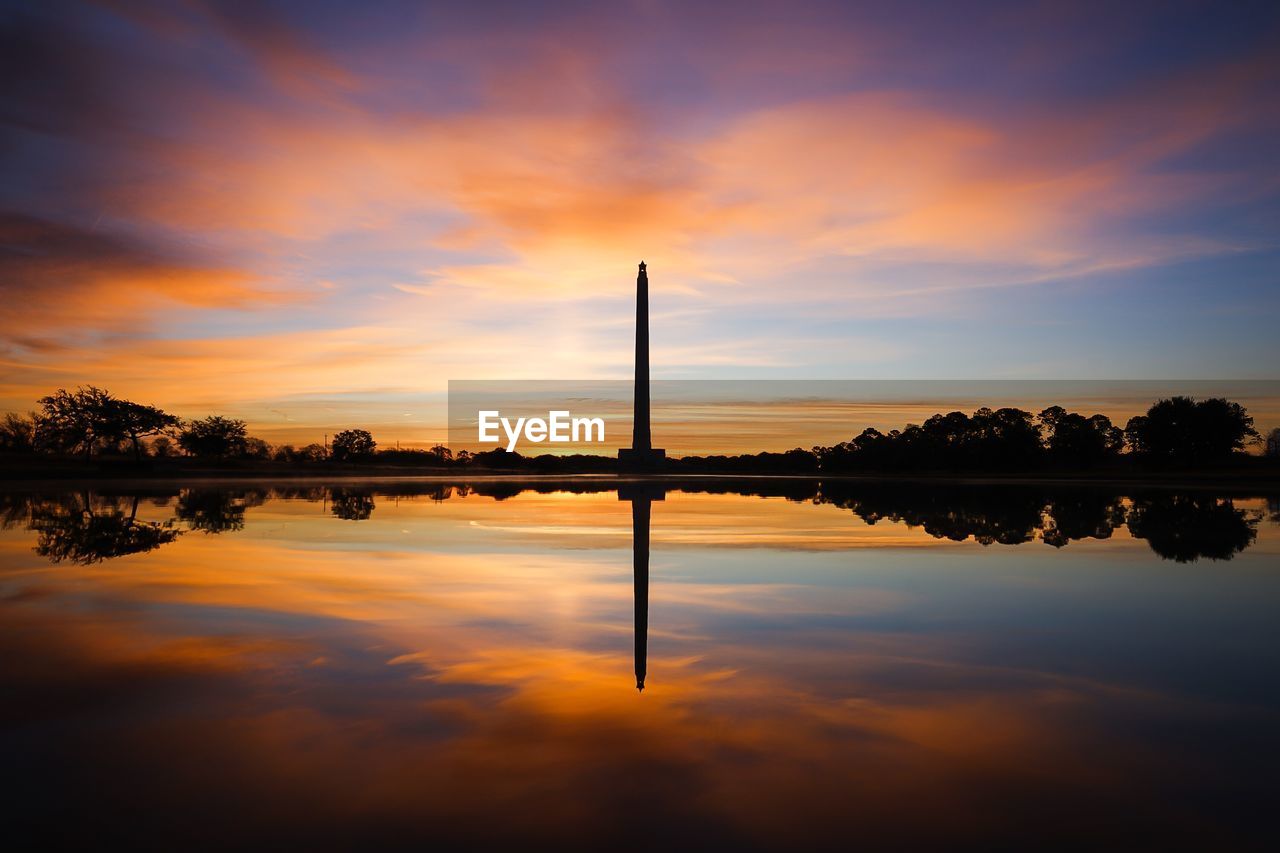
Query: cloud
{"points": [[60, 276], [873, 178]]}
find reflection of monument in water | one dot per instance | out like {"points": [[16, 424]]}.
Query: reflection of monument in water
{"points": [[642, 455], [641, 496]]}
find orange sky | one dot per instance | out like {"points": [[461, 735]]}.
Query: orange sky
{"points": [[313, 221]]}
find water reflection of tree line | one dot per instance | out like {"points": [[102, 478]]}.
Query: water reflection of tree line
{"points": [[77, 529], [1181, 527], [217, 510], [84, 528], [352, 504]]}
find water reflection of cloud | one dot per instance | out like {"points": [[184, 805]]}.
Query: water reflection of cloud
{"points": [[544, 735], [312, 674]]}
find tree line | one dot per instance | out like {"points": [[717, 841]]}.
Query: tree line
{"points": [[1174, 432], [1177, 431], [91, 422]]}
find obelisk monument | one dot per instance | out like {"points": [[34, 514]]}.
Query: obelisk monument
{"points": [[642, 455]]}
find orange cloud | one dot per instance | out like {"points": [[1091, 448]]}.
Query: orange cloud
{"points": [[55, 277], [879, 176], [484, 236]]}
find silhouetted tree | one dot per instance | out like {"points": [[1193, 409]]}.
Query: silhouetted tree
{"points": [[76, 421], [794, 461], [134, 421], [162, 446], [352, 445], [1001, 439], [1135, 432], [18, 432], [311, 453], [256, 448], [1005, 438], [1271, 447], [1077, 441], [407, 456], [214, 437], [90, 418], [497, 458], [441, 453], [1186, 431]]}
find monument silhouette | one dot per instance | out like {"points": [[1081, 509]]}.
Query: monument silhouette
{"points": [[641, 496], [642, 455]]}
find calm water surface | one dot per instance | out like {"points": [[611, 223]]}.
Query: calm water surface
{"points": [[432, 665]]}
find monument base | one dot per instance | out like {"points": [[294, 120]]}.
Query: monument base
{"points": [[643, 492], [630, 459]]}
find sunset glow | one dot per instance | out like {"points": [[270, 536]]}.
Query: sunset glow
{"points": [[311, 219]]}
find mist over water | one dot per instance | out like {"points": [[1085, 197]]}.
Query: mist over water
{"points": [[428, 664]]}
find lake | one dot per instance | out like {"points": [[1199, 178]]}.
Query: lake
{"points": [[428, 664]]}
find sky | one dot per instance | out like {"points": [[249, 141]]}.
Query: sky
{"points": [[314, 215]]}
